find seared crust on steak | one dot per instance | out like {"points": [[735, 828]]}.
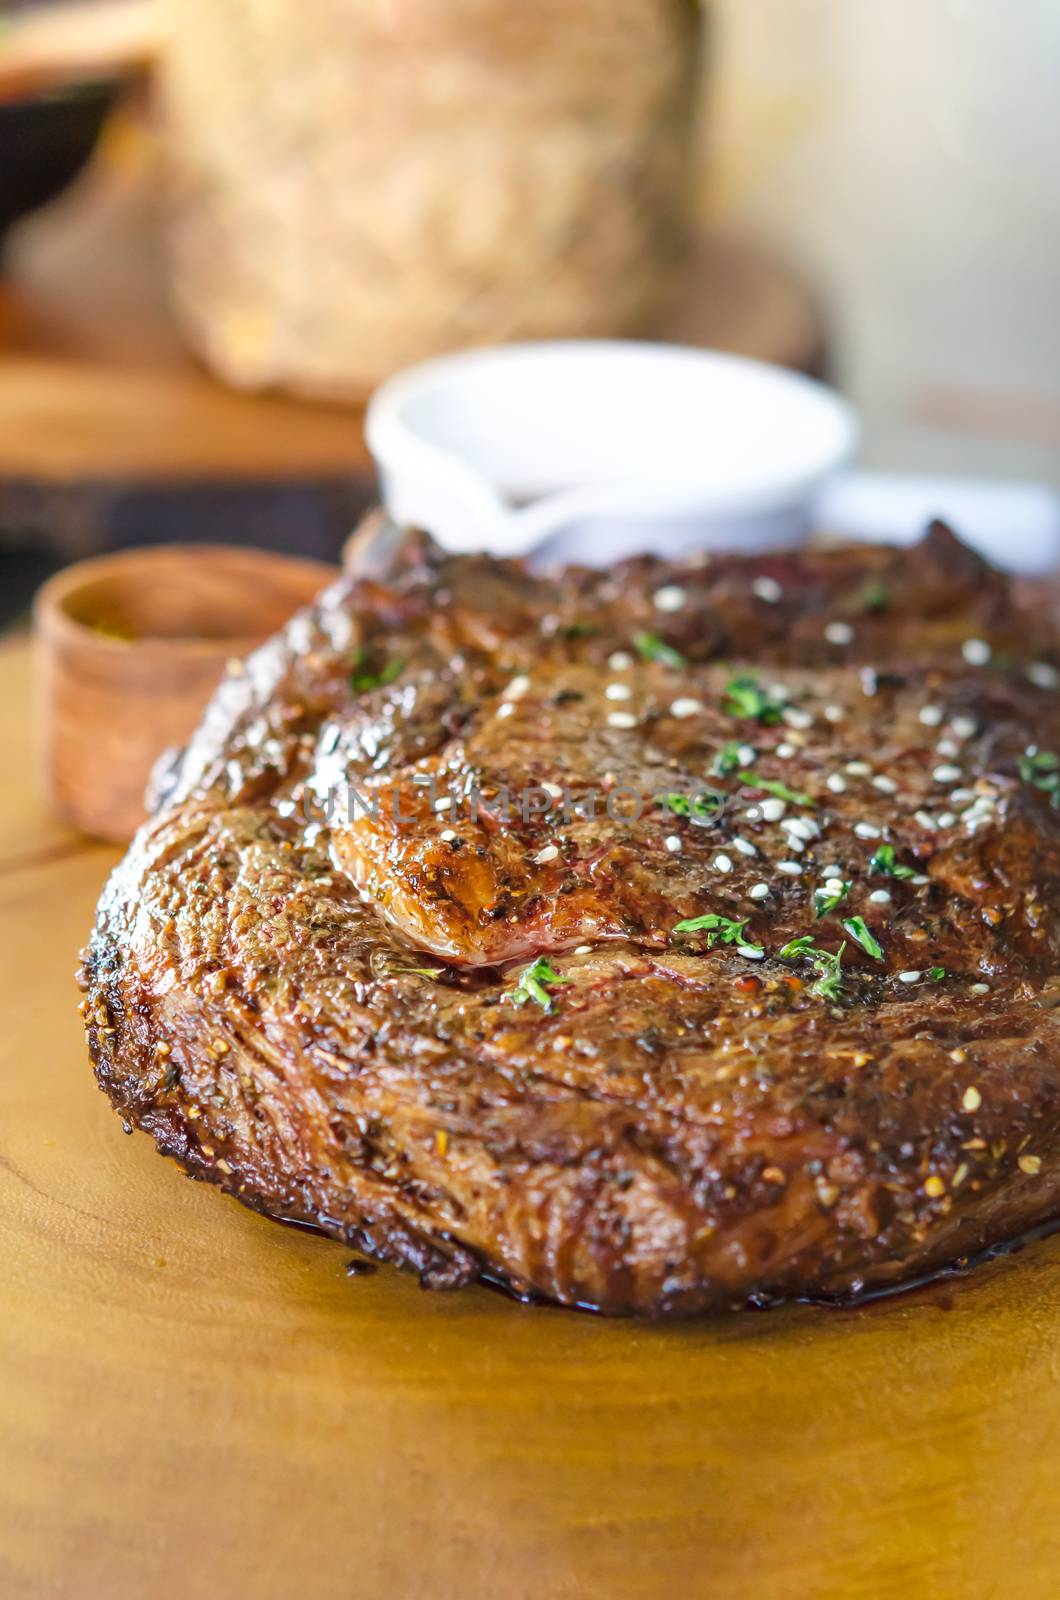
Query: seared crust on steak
{"points": [[847, 1072]]}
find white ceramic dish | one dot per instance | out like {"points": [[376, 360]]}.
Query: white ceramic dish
{"points": [[597, 449], [594, 450], [1015, 525]]}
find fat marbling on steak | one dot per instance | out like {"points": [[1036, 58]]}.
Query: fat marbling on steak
{"points": [[650, 939]]}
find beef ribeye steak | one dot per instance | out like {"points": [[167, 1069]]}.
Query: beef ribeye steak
{"points": [[651, 940]]}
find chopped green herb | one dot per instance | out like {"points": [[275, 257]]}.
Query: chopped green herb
{"points": [[718, 927], [779, 790], [828, 966], [826, 900], [863, 935], [1042, 769], [727, 761], [532, 984], [363, 678], [883, 862], [826, 963], [744, 697], [876, 597], [652, 648], [936, 974], [704, 804]]}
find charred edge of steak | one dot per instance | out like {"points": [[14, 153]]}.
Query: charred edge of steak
{"points": [[176, 1130]]}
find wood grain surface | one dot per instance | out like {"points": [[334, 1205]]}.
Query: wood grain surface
{"points": [[195, 1401]]}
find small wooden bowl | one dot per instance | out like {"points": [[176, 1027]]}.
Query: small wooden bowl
{"points": [[129, 648]]}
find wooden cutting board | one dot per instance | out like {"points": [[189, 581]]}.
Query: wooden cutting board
{"points": [[195, 1401]]}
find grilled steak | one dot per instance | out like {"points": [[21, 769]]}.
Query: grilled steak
{"points": [[649, 940]]}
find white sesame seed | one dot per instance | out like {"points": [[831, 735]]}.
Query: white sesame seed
{"points": [[947, 774], [686, 708], [839, 633], [1043, 675], [796, 845], [858, 769], [869, 681], [834, 885], [946, 819], [801, 827], [758, 891], [621, 719], [785, 751], [777, 691], [443, 804], [880, 897], [745, 847], [884, 784], [751, 951], [723, 863], [971, 1099], [553, 790], [669, 598], [767, 589], [834, 713], [583, 949], [517, 688], [964, 727], [448, 834], [931, 716], [753, 814], [620, 661], [925, 819], [618, 691], [960, 796], [773, 810], [792, 869], [836, 783], [976, 652], [745, 754], [795, 718], [948, 748], [673, 843], [979, 988], [920, 878], [867, 830], [505, 709], [548, 853], [827, 873], [909, 977]]}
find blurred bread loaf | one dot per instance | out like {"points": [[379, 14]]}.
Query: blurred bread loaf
{"points": [[358, 184]]}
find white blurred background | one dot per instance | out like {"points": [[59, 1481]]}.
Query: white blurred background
{"points": [[907, 152]]}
